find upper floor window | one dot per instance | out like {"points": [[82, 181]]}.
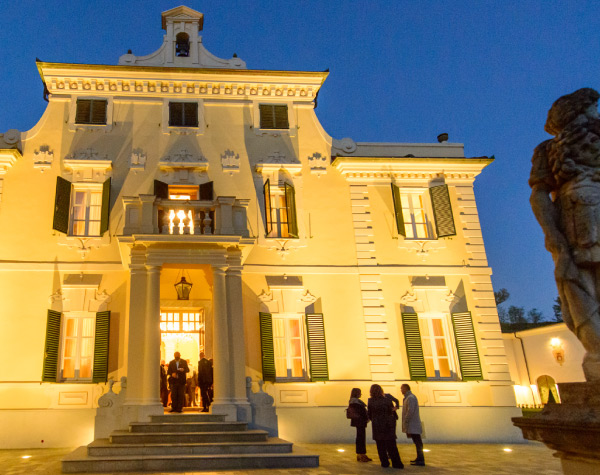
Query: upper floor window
{"points": [[81, 209], [280, 211], [183, 114], [91, 111], [182, 45], [274, 116], [416, 211]]}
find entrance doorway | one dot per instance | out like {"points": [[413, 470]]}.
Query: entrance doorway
{"points": [[182, 330]]}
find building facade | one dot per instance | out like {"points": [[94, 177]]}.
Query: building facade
{"points": [[317, 265]]}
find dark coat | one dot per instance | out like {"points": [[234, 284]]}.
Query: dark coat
{"points": [[205, 372], [381, 414], [181, 375], [361, 409]]}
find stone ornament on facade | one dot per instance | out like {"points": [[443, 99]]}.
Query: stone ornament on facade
{"points": [[138, 159], [43, 158], [276, 157], [88, 165], [317, 163], [183, 163], [346, 145], [265, 296], [422, 248], [307, 297], [230, 161], [408, 298], [568, 168]]}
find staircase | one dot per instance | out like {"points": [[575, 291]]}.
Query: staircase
{"points": [[186, 442]]}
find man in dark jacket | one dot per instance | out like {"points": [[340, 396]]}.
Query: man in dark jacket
{"points": [[205, 380], [178, 369]]}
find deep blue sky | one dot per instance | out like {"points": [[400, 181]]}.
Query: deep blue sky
{"points": [[485, 72]]}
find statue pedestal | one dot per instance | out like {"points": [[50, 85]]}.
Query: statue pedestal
{"points": [[571, 428]]}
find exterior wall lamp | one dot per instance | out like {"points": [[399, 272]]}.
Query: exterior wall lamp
{"points": [[183, 288], [557, 350]]}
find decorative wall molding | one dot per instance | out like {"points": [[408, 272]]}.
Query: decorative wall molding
{"points": [[408, 298], [88, 165], [138, 159], [276, 157], [230, 161], [317, 163], [43, 158], [83, 245], [422, 248], [307, 297]]}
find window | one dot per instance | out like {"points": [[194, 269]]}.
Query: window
{"points": [[81, 209], [413, 215], [273, 116], [288, 344], [178, 322], [91, 111], [183, 114], [280, 211], [284, 343], [76, 347], [435, 342], [431, 349]]}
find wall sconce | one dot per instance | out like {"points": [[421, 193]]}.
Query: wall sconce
{"points": [[183, 288], [557, 350]]}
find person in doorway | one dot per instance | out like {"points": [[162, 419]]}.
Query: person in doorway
{"points": [[178, 369], [359, 419], [381, 413], [205, 380], [190, 385], [164, 390], [411, 422]]}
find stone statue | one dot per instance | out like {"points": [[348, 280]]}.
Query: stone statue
{"points": [[565, 198]]}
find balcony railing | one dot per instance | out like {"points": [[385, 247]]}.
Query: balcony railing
{"points": [[147, 214]]}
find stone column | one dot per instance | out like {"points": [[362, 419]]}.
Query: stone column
{"points": [[237, 343], [223, 403], [152, 338]]}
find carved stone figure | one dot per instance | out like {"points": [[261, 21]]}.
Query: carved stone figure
{"points": [[565, 198]]}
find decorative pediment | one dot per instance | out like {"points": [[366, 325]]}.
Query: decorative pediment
{"points": [[183, 160], [230, 161], [276, 161], [88, 165], [43, 158]]}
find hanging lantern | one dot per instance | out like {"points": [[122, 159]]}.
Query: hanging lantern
{"points": [[183, 288]]}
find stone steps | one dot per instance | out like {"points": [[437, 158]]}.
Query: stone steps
{"points": [[187, 442]]}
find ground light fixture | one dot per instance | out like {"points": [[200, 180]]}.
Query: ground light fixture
{"points": [[183, 288], [506, 449], [25, 456], [341, 450], [426, 450]]}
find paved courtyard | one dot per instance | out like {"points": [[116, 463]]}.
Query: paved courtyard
{"points": [[441, 458]]}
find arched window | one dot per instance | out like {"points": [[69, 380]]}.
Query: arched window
{"points": [[547, 389], [182, 44]]}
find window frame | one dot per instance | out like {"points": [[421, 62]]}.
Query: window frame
{"points": [[291, 130], [273, 109], [427, 210], [90, 119], [179, 129], [106, 127], [184, 104], [449, 340], [300, 318], [79, 316], [281, 205], [86, 188]]}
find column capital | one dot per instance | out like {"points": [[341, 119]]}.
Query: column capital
{"points": [[153, 269], [219, 269], [235, 271]]}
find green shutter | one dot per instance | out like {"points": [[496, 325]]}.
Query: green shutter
{"points": [[414, 349], [442, 211], [84, 111], [398, 210], [161, 190], [317, 351], [290, 206], [267, 116], [105, 207], [281, 117], [98, 114], [466, 346], [62, 205], [266, 346], [100, 374], [50, 364], [267, 195]]}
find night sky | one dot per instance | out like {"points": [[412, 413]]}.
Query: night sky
{"points": [[485, 72]]}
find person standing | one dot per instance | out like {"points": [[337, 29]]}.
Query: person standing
{"points": [[381, 414], [178, 369], [205, 380], [358, 409], [411, 422], [190, 385], [164, 390]]}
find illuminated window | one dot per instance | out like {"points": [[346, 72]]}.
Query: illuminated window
{"points": [[86, 211], [280, 211], [181, 321], [78, 346], [416, 220], [437, 346], [288, 345]]}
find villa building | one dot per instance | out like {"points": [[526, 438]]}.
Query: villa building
{"points": [[316, 264]]}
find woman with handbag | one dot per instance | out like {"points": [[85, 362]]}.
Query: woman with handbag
{"points": [[357, 412]]}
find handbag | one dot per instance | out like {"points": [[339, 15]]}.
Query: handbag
{"points": [[351, 413]]}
